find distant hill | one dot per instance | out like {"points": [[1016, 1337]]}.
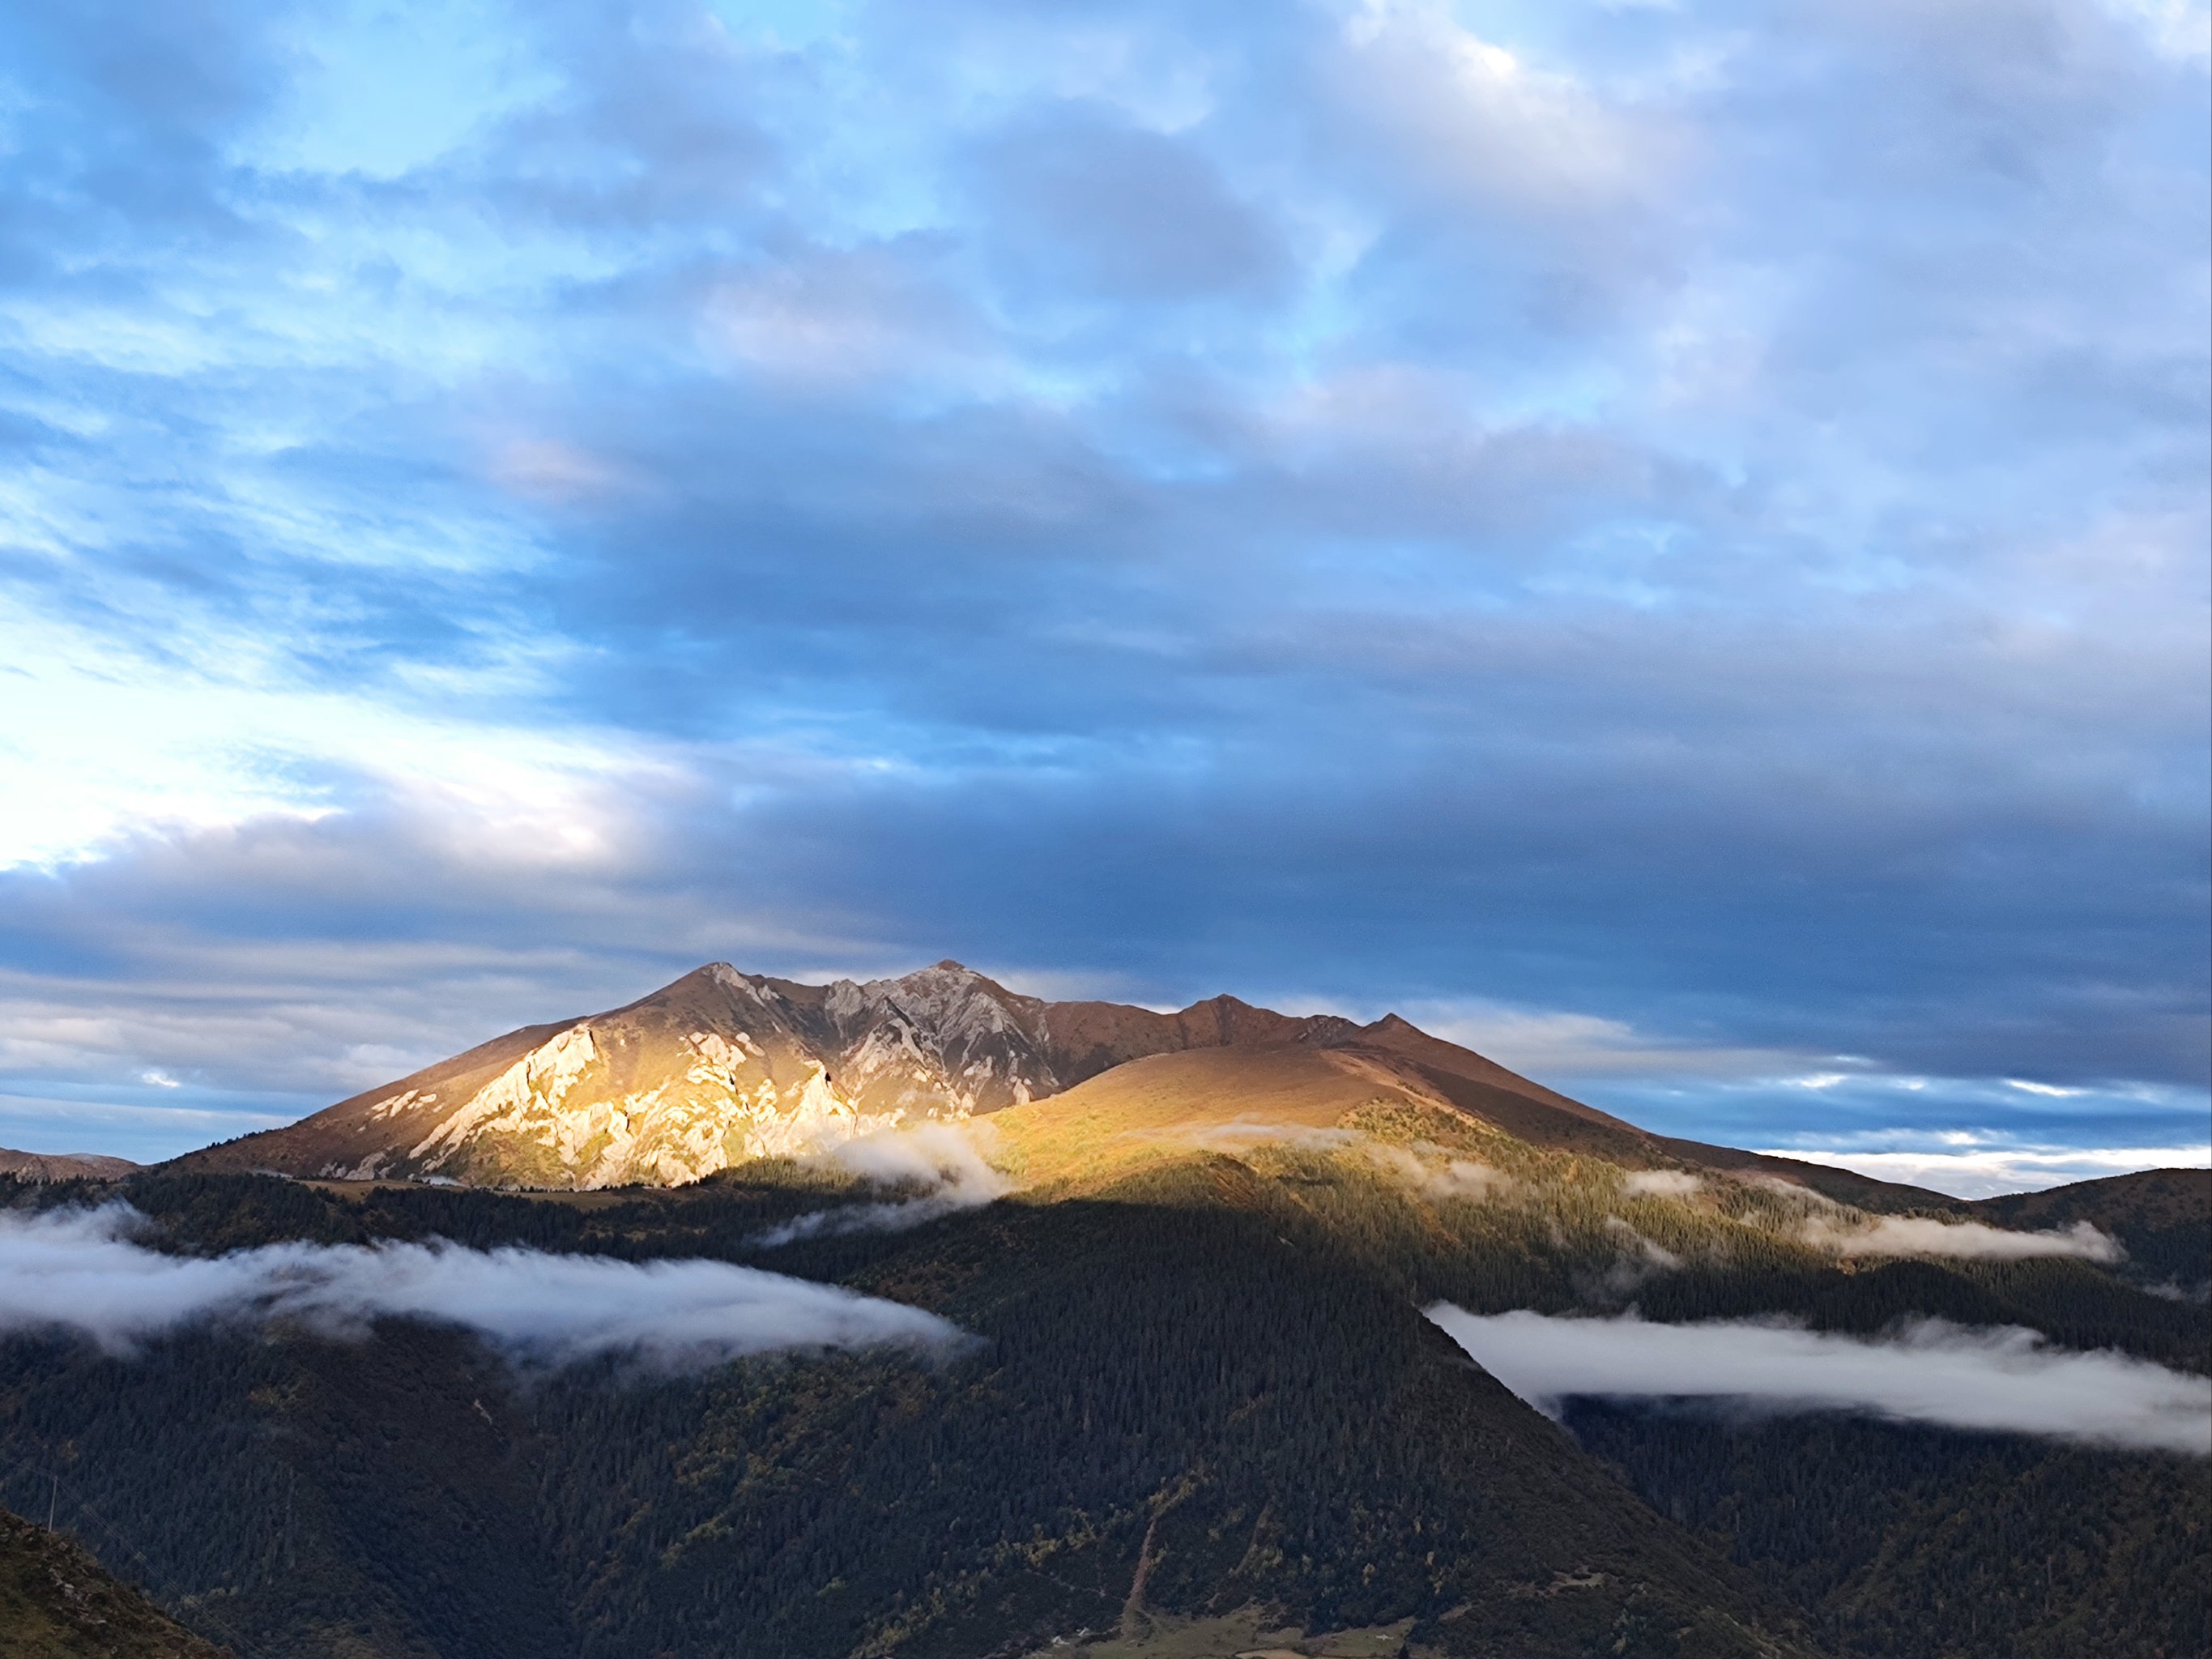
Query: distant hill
{"points": [[722, 1066], [2162, 1217], [57, 1602], [64, 1166]]}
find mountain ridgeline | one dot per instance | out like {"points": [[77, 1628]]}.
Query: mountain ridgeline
{"points": [[1197, 1409], [722, 1068]]}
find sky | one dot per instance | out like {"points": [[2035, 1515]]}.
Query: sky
{"points": [[1664, 541]]}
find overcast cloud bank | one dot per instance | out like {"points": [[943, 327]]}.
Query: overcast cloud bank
{"points": [[80, 1270], [1679, 526], [2003, 1379]]}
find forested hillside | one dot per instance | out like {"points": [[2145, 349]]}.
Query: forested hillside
{"points": [[1200, 1386], [2162, 1217]]}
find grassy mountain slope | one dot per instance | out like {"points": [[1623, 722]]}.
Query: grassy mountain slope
{"points": [[722, 1067], [57, 1602]]}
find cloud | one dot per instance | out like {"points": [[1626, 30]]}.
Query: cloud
{"points": [[1989, 1164], [1639, 1260], [1559, 1044], [941, 1167], [80, 1271], [1968, 1240], [1478, 117], [1662, 1183], [2001, 1380], [1082, 203], [1441, 1176], [953, 480]]}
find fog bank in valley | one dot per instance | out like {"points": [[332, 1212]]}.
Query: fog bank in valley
{"points": [[84, 1272], [937, 1167], [1999, 1379]]}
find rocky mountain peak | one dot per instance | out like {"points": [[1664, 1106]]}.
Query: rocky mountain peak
{"points": [[721, 1065]]}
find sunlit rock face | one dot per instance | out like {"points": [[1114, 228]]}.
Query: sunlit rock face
{"points": [[722, 1066]]}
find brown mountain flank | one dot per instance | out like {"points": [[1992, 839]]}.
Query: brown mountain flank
{"points": [[64, 1166]]}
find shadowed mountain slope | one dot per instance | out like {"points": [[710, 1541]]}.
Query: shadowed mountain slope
{"points": [[2162, 1218]]}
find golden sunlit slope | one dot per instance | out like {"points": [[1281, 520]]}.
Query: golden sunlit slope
{"points": [[1391, 1082], [1201, 1099]]}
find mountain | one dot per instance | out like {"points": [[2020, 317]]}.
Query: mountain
{"points": [[64, 1166], [57, 1602], [723, 1067], [1200, 1411], [1202, 1414], [2162, 1218]]}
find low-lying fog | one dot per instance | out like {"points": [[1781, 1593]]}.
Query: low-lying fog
{"points": [[83, 1271], [1998, 1379]]}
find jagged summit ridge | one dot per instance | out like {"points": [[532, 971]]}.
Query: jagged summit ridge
{"points": [[722, 1066]]}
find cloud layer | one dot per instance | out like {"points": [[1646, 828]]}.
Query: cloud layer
{"points": [[939, 1168], [2005, 1380], [80, 1271], [1674, 531], [1963, 1240]]}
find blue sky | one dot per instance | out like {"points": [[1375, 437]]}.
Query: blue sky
{"points": [[1665, 541]]}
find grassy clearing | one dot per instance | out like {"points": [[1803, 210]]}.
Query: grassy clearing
{"points": [[1249, 1633]]}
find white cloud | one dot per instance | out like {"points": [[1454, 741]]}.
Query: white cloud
{"points": [[79, 1270], [2178, 29], [1662, 1183], [1967, 1240], [1480, 119], [1986, 1170], [1441, 1177], [942, 1166], [101, 743], [2003, 1379], [1553, 1042]]}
